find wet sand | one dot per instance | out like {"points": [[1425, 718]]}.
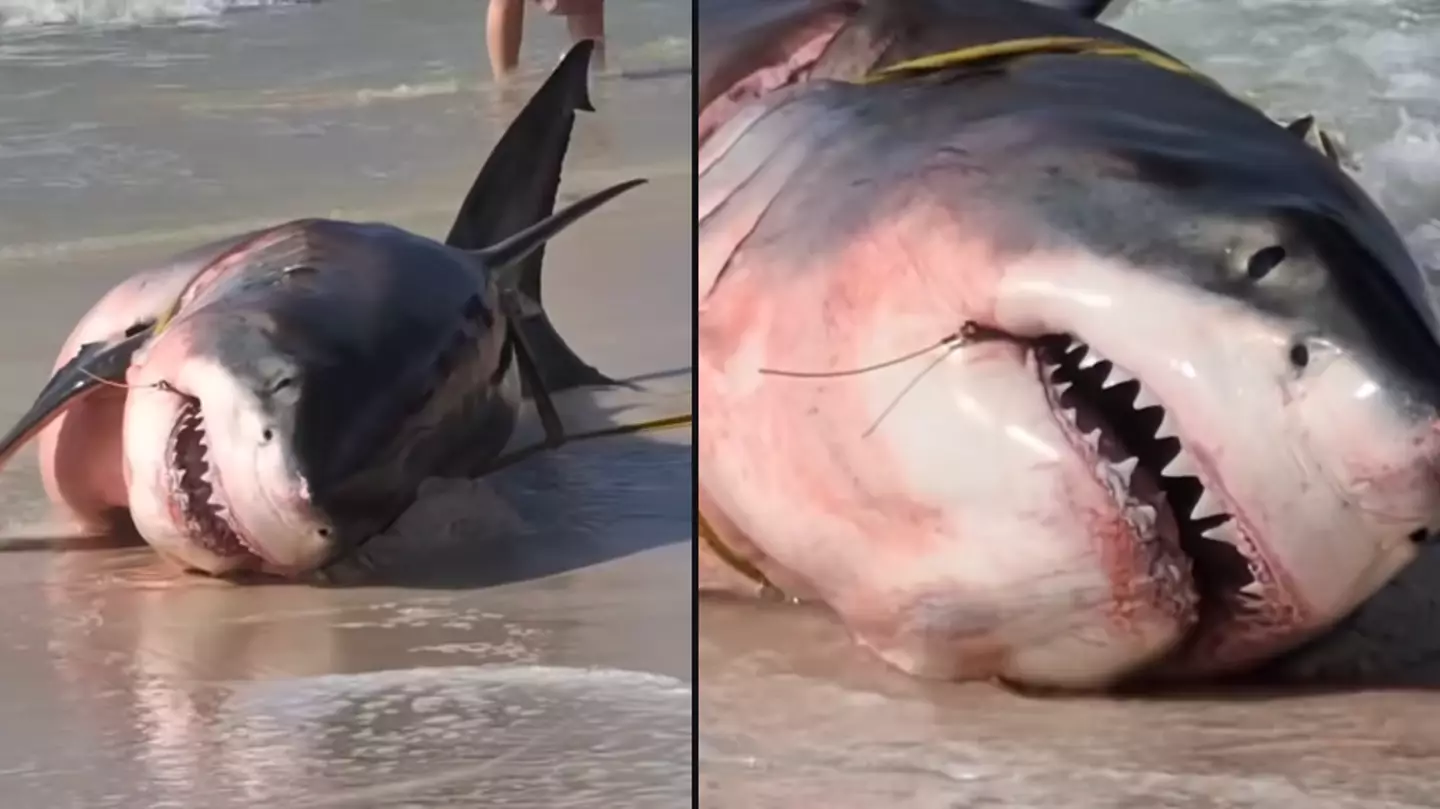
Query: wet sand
{"points": [[791, 713], [524, 640]]}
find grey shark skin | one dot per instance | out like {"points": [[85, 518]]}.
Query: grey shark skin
{"points": [[1194, 423], [750, 47], [314, 373]]}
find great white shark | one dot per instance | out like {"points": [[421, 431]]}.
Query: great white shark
{"points": [[1034, 355], [269, 401]]}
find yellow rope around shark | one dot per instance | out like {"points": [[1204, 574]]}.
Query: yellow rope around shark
{"points": [[169, 314], [1011, 49], [662, 423], [998, 53], [711, 540], [648, 426]]}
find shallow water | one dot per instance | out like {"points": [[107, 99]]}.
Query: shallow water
{"points": [[504, 645], [793, 714], [519, 641], [125, 136], [1371, 70]]}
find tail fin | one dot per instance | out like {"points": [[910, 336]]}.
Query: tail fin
{"points": [[516, 190]]}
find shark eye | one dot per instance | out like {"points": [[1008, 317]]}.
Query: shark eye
{"points": [[1299, 356], [1262, 261]]}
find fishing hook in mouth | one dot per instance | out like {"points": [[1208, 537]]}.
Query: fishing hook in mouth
{"points": [[969, 333]]}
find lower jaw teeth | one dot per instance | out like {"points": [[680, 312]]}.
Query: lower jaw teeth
{"points": [[1114, 416]]}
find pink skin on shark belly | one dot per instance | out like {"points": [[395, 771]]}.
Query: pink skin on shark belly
{"points": [[81, 453], [912, 528]]}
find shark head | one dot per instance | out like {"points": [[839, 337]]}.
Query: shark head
{"points": [[1192, 422]]}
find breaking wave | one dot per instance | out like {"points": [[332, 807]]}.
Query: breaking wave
{"points": [[19, 14]]}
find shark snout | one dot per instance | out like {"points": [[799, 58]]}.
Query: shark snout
{"points": [[227, 491]]}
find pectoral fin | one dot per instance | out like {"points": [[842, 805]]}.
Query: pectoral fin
{"points": [[94, 367]]}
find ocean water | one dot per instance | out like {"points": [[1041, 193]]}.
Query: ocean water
{"points": [[19, 14], [126, 122], [1369, 69]]}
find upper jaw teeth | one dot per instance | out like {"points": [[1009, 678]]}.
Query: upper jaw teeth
{"points": [[1117, 375], [1208, 506], [1224, 532], [1181, 464]]}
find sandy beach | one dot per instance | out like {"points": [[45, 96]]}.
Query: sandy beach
{"points": [[519, 641]]}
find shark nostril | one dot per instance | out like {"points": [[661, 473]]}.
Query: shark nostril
{"points": [[267, 434]]}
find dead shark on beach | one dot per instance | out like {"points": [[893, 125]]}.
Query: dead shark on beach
{"points": [[270, 401], [1034, 355]]}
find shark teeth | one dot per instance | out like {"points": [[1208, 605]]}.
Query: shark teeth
{"points": [[1207, 506], [208, 521], [1130, 432], [1145, 399], [1252, 592], [1167, 428], [1126, 468], [1182, 465], [1224, 532], [1117, 375]]}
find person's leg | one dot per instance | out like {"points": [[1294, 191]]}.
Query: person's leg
{"points": [[587, 21], [504, 27]]}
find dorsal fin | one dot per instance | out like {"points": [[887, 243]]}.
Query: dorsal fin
{"points": [[516, 190], [517, 185]]}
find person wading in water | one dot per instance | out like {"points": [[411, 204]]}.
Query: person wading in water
{"points": [[505, 27]]}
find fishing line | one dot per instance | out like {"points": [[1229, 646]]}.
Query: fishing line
{"points": [[162, 385], [652, 425], [909, 386], [968, 334]]}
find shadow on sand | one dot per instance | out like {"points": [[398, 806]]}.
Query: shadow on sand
{"points": [[580, 505]]}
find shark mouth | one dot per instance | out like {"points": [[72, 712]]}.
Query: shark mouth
{"points": [[197, 497], [1156, 480]]}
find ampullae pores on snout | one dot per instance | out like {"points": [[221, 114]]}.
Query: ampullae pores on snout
{"points": [[1199, 424], [286, 391]]}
